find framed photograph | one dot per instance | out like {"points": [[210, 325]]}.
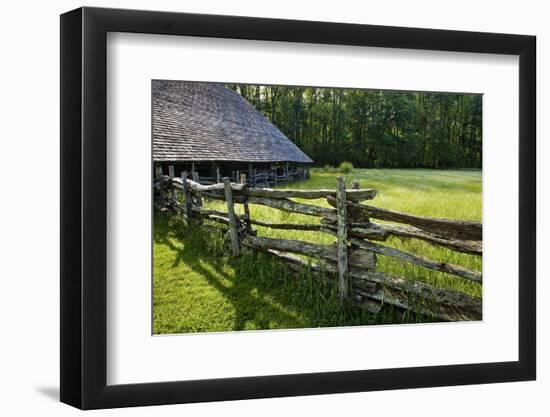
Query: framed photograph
{"points": [[256, 208]]}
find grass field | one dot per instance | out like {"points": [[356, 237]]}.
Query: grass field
{"points": [[199, 287]]}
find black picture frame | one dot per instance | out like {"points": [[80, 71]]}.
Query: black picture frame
{"points": [[84, 207]]}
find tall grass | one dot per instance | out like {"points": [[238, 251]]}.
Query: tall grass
{"points": [[199, 287]]}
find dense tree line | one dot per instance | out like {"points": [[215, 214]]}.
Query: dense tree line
{"points": [[375, 128]]}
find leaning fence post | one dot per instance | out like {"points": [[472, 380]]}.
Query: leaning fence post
{"points": [[187, 196], [343, 277], [161, 185], [355, 184], [233, 230]]}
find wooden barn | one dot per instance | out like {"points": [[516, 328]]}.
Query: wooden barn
{"points": [[212, 132]]}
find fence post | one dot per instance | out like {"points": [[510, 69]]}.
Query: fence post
{"points": [[246, 208], [161, 185], [287, 179], [343, 277], [187, 196], [233, 230], [171, 175], [355, 186], [197, 178]]}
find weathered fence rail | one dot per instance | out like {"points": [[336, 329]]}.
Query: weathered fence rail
{"points": [[353, 257]]}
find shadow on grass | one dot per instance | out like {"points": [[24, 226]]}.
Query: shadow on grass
{"points": [[262, 291], [244, 292]]}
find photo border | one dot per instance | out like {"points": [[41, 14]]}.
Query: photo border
{"points": [[84, 207]]}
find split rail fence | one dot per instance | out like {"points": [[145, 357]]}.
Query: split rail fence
{"points": [[352, 259]]}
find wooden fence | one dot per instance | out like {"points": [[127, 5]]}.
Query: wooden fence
{"points": [[358, 240]]}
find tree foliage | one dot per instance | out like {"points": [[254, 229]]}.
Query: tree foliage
{"points": [[370, 128]]}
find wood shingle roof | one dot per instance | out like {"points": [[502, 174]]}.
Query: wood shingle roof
{"points": [[196, 121]]}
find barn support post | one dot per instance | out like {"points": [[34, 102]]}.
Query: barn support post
{"points": [[171, 175], [187, 197], [342, 255], [250, 174], [218, 177], [193, 171], [233, 227], [160, 179], [254, 177]]}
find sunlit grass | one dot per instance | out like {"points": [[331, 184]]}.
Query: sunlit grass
{"points": [[199, 287]]}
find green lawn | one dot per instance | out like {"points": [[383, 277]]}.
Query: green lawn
{"points": [[199, 287]]}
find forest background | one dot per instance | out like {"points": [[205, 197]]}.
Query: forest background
{"points": [[375, 128]]}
